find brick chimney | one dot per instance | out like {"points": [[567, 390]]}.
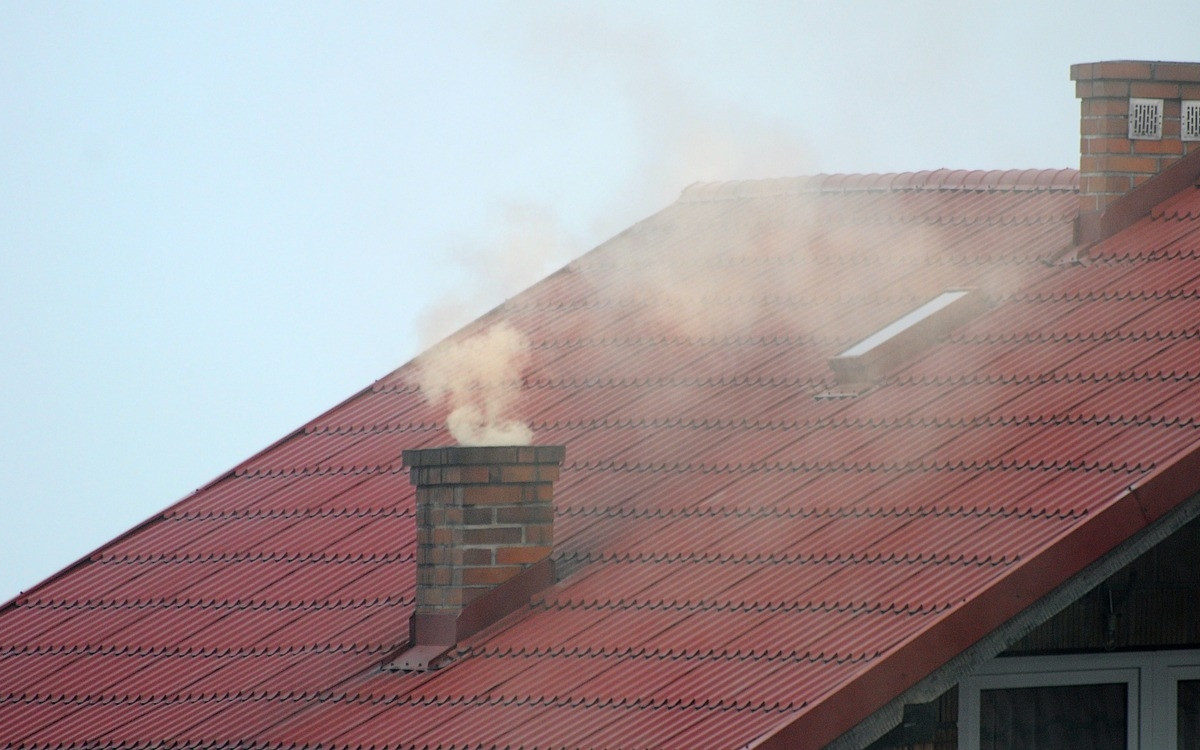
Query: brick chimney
{"points": [[485, 518], [1137, 119]]}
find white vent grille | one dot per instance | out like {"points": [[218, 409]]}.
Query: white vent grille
{"points": [[1145, 119], [1189, 120]]}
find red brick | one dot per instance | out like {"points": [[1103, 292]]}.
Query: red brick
{"points": [[1107, 125], [479, 516], [426, 476], [492, 494], [1100, 107], [1154, 90], [1189, 91], [439, 597], [512, 474], [1115, 163], [435, 496], [539, 534], [1123, 69], [492, 574], [443, 556], [478, 556], [1104, 183], [522, 555], [1092, 203], [1170, 146], [525, 514], [464, 474], [434, 575], [529, 473], [491, 535], [1088, 89], [1092, 146], [1189, 72]]}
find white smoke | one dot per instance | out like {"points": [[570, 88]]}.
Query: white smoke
{"points": [[478, 379], [523, 243]]}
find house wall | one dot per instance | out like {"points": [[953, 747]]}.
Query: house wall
{"points": [[1150, 604]]}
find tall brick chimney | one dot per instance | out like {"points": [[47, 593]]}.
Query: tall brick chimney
{"points": [[1137, 119], [485, 519]]}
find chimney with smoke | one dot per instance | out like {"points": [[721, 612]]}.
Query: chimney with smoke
{"points": [[485, 519], [1137, 120]]}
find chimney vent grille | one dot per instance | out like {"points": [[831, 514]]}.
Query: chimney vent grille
{"points": [[1189, 122], [1145, 119]]}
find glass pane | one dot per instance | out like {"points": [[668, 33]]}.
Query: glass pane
{"points": [[1060, 717], [1188, 697]]}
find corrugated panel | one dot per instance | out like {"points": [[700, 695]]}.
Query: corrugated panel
{"points": [[740, 548]]}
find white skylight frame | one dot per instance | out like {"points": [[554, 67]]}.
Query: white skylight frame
{"points": [[905, 322], [906, 337]]}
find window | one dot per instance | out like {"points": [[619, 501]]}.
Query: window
{"points": [[1127, 701]]}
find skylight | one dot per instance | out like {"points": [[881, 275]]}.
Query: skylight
{"points": [[907, 336], [930, 308]]}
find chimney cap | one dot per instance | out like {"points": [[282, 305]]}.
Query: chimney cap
{"points": [[1137, 70], [458, 455]]}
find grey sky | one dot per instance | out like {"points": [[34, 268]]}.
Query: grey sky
{"points": [[219, 219]]}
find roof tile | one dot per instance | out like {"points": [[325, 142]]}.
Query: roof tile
{"points": [[740, 540]]}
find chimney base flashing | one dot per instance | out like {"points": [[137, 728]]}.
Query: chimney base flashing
{"points": [[417, 659], [1127, 210], [432, 634]]}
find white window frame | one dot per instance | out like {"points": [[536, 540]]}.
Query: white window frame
{"points": [[1150, 678], [1167, 697]]}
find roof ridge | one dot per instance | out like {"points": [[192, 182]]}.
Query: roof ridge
{"points": [[966, 180]]}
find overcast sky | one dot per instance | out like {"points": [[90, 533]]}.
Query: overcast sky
{"points": [[217, 220]]}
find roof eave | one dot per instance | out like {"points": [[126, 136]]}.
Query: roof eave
{"points": [[1145, 506]]}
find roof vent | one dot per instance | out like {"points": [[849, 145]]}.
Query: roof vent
{"points": [[1145, 119], [1189, 120], [907, 336]]}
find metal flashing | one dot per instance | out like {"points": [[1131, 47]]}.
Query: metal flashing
{"points": [[1137, 203]]}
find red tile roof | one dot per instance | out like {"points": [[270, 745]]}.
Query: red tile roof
{"points": [[746, 554]]}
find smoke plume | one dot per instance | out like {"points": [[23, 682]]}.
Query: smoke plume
{"points": [[679, 137], [522, 243], [478, 379]]}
